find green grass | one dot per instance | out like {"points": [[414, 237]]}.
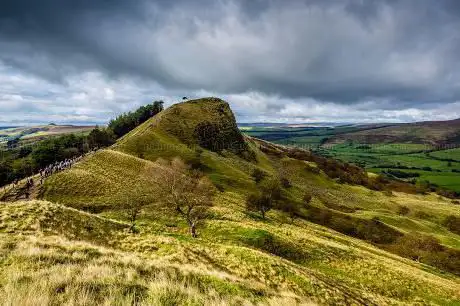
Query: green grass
{"points": [[375, 155], [235, 260], [78, 249], [453, 154]]}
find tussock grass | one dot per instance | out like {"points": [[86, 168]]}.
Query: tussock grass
{"points": [[52, 270]]}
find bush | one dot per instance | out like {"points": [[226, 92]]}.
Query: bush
{"points": [[403, 210], [285, 182], [292, 209], [270, 243], [429, 250], [258, 175], [453, 224], [312, 169], [401, 174], [307, 197], [371, 230]]}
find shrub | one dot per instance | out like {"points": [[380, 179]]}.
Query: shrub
{"points": [[270, 243], [422, 215], [429, 250], [258, 175], [401, 174], [292, 209], [307, 197], [403, 210], [312, 169], [370, 230], [285, 182], [388, 193], [452, 223], [339, 207]]}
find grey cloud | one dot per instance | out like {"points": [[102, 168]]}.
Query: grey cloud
{"points": [[390, 55]]}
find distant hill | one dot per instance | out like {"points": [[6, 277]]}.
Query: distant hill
{"points": [[29, 133], [435, 133], [328, 240]]}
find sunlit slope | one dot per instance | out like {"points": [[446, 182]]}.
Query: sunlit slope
{"points": [[298, 258], [236, 259], [43, 262], [184, 126], [111, 179]]}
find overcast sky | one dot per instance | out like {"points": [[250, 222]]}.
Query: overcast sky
{"points": [[85, 61]]}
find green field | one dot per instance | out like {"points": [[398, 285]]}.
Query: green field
{"points": [[436, 166]]}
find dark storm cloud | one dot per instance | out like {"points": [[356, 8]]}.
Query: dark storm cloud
{"points": [[389, 54]]}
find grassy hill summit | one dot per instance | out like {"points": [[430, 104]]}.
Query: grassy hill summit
{"points": [[274, 225], [207, 122]]}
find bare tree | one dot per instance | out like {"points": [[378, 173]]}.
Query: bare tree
{"points": [[265, 198], [187, 193], [134, 205], [133, 212]]}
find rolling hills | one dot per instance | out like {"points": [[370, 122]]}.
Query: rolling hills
{"points": [[426, 152], [30, 134], [435, 133], [74, 245]]}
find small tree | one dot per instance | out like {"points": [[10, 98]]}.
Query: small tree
{"points": [[133, 212], [134, 204], [185, 193], [265, 198]]}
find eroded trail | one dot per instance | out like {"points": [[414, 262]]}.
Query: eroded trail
{"points": [[27, 189]]}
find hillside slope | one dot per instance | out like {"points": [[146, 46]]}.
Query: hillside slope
{"points": [[238, 257], [430, 133]]}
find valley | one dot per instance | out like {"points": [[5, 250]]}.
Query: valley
{"points": [[430, 154]]}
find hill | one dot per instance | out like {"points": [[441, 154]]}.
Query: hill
{"points": [[434, 133], [340, 248], [426, 153], [30, 134]]}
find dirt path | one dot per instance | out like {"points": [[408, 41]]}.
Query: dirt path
{"points": [[21, 191]]}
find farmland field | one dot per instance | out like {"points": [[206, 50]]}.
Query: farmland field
{"points": [[439, 165]]}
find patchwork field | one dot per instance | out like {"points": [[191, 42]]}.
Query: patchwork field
{"points": [[437, 164]]}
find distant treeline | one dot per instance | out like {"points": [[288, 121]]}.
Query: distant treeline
{"points": [[18, 161]]}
